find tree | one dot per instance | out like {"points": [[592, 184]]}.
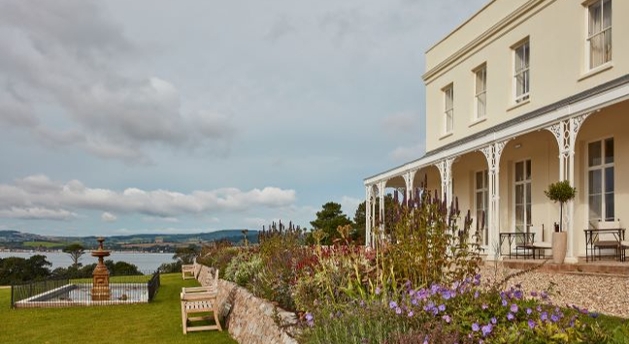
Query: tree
{"points": [[360, 221], [560, 192], [15, 270], [328, 220], [186, 254], [75, 251], [360, 217]]}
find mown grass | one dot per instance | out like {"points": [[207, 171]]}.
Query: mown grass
{"points": [[156, 322], [46, 244]]}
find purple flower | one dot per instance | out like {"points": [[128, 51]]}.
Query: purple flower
{"points": [[309, 319], [534, 293], [398, 310], [529, 311], [378, 290], [543, 316], [554, 318], [518, 294], [514, 308], [392, 304], [504, 303], [484, 306], [446, 318], [510, 316], [494, 320], [442, 308], [475, 327], [476, 294], [446, 295], [531, 324], [487, 329], [410, 314]]}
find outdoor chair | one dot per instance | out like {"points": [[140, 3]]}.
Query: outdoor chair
{"points": [[200, 304], [187, 271], [539, 244], [615, 243]]}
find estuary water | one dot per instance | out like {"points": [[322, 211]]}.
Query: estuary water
{"points": [[146, 262]]}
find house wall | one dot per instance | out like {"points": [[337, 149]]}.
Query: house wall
{"points": [[558, 62], [609, 122]]}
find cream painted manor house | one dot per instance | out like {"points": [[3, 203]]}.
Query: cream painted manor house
{"points": [[523, 94]]}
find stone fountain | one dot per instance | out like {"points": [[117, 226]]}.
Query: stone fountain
{"points": [[100, 287]]}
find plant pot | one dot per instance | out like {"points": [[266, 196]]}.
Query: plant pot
{"points": [[560, 244]]}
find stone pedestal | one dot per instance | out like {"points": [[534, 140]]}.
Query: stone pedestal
{"points": [[100, 284]]}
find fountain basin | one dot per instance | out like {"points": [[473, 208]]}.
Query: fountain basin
{"points": [[80, 294]]}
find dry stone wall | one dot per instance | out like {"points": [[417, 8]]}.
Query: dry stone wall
{"points": [[251, 320]]}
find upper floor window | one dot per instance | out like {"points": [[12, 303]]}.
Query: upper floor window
{"points": [[481, 91], [600, 32], [521, 73], [448, 93]]}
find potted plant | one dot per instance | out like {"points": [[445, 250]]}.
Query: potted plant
{"points": [[560, 192]]}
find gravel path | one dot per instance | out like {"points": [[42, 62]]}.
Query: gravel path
{"points": [[598, 293]]}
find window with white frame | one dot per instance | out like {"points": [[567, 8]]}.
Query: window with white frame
{"points": [[481, 91], [482, 204], [521, 73], [601, 180], [448, 93], [600, 32]]}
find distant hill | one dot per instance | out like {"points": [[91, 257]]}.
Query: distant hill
{"points": [[13, 239]]}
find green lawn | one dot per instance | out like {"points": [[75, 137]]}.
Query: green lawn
{"points": [[46, 244], [156, 322]]}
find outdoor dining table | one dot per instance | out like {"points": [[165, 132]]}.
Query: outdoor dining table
{"points": [[593, 241], [522, 240]]}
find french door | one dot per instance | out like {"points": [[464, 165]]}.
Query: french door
{"points": [[522, 195]]}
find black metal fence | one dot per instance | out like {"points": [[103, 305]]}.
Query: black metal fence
{"points": [[153, 285], [78, 292]]}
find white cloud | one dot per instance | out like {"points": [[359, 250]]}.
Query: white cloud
{"points": [[161, 219], [71, 56], [37, 213], [22, 200], [108, 217]]}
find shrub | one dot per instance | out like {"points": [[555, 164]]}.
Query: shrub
{"points": [[243, 268], [280, 251]]}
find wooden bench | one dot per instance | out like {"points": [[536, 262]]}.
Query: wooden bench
{"points": [[187, 271], [200, 304]]}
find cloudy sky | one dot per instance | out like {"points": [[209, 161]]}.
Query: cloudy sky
{"points": [[158, 116]]}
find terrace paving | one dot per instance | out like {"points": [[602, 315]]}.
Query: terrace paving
{"points": [[601, 286]]}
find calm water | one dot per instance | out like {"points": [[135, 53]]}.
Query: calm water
{"points": [[146, 262]]}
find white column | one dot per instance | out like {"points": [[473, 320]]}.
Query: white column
{"points": [[492, 154], [368, 216], [445, 170], [381, 186], [566, 132], [408, 179]]}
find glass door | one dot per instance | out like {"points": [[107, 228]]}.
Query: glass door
{"points": [[522, 196]]}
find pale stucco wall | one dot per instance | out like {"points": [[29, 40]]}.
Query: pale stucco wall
{"points": [[558, 64]]}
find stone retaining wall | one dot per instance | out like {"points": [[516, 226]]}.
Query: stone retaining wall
{"points": [[251, 320]]}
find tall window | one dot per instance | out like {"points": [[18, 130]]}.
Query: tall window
{"points": [[521, 73], [449, 108], [600, 32], [601, 180], [481, 91], [523, 196], [482, 203]]}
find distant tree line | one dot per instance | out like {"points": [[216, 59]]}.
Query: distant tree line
{"points": [[16, 270]]}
